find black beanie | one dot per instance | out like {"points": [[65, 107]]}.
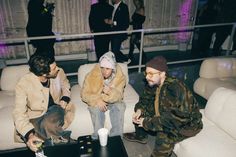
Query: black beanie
{"points": [[158, 63]]}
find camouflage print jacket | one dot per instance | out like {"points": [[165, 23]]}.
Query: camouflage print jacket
{"points": [[178, 109]]}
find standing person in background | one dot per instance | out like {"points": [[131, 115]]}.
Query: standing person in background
{"points": [[40, 24], [119, 22], [138, 19], [226, 14], [100, 12]]}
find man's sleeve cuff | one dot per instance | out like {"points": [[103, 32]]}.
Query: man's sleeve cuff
{"points": [[26, 137], [66, 99]]}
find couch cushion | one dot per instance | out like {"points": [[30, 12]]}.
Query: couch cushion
{"points": [[218, 68], [7, 98], [205, 86], [221, 109], [86, 68], [210, 142], [7, 134], [11, 75]]}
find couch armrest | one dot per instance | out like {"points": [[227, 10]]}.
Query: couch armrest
{"points": [[11, 75], [218, 68]]}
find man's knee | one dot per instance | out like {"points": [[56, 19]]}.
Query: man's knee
{"points": [[164, 145], [120, 106], [93, 108]]}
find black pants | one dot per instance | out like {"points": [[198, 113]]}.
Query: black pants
{"points": [[222, 33], [116, 42], [135, 40], [101, 44], [202, 41], [44, 47]]}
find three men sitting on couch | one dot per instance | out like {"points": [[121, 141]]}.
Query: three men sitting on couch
{"points": [[43, 109]]}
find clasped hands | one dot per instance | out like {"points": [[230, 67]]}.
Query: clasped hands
{"points": [[106, 89], [110, 22], [101, 103], [137, 119]]}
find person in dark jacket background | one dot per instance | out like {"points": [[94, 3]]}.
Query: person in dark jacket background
{"points": [[167, 107], [138, 19], [40, 24], [227, 14], [119, 22], [100, 12]]}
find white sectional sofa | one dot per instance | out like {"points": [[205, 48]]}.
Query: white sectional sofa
{"points": [[218, 136], [214, 73], [81, 125]]}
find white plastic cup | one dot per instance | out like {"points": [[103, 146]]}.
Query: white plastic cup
{"points": [[103, 135]]}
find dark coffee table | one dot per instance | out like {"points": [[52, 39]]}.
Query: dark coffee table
{"points": [[114, 148]]}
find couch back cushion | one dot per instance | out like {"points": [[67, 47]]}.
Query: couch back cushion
{"points": [[218, 68], [11, 75], [221, 110], [86, 68]]}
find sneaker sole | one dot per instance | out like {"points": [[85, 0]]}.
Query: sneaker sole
{"points": [[133, 140]]}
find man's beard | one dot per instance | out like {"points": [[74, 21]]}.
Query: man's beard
{"points": [[52, 76], [153, 84]]}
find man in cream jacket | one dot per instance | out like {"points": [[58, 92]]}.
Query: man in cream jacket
{"points": [[42, 105], [103, 90]]}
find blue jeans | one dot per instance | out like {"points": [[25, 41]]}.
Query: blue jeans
{"points": [[116, 116]]}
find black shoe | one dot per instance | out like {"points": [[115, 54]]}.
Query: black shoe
{"points": [[72, 141], [132, 137]]}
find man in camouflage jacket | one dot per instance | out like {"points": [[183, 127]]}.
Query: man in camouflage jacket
{"points": [[167, 107]]}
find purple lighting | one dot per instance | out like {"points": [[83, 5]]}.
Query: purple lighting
{"points": [[184, 14], [3, 50], [3, 47], [93, 1]]}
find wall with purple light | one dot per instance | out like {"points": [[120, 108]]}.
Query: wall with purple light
{"points": [[3, 48], [93, 1], [185, 17], [71, 17]]}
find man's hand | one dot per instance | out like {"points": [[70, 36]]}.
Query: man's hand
{"points": [[63, 104], [32, 140], [102, 105], [136, 116], [106, 89], [108, 21], [140, 122]]}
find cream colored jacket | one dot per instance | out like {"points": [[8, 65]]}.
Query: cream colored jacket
{"points": [[32, 100]]}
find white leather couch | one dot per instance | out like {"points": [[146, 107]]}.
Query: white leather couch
{"points": [[214, 73], [81, 125], [218, 136]]}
